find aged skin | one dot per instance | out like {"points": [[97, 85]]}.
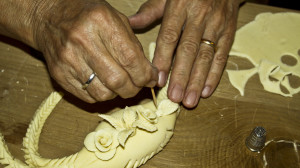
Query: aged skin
{"points": [[79, 37], [197, 69]]}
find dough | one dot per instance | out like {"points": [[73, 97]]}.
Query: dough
{"points": [[263, 42], [126, 138]]}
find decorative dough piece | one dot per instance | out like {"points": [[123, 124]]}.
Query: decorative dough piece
{"points": [[126, 138], [239, 78], [264, 41]]}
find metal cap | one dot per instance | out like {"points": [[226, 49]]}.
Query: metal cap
{"points": [[256, 140]]}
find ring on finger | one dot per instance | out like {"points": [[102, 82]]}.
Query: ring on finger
{"points": [[86, 84], [210, 43]]}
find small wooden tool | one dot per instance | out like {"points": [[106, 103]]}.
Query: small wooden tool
{"points": [[154, 97]]}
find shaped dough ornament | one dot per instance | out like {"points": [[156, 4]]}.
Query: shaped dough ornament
{"points": [[126, 138], [265, 42]]}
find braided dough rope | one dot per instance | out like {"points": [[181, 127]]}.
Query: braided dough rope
{"points": [[31, 140], [127, 138], [7, 159]]}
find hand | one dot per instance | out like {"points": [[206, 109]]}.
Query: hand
{"points": [[197, 68], [79, 37]]}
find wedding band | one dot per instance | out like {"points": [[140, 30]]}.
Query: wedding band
{"points": [[210, 43], [86, 84]]}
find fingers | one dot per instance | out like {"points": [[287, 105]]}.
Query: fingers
{"points": [[96, 89], [111, 74], [186, 53], [168, 37], [119, 61], [149, 12], [220, 59], [198, 75], [73, 72], [95, 38], [70, 83], [126, 50], [209, 64], [197, 67], [201, 67], [99, 91]]}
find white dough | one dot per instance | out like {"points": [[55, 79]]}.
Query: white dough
{"points": [[126, 138], [263, 42]]}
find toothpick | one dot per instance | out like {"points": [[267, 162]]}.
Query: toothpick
{"points": [[154, 97]]}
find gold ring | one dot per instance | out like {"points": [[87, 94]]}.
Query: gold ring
{"points": [[86, 84], [210, 43]]}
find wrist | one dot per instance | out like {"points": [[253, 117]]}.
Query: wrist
{"points": [[20, 19]]}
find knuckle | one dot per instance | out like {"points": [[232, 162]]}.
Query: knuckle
{"points": [[197, 81], [198, 78], [129, 58], [219, 23], [130, 54], [207, 6], [115, 81], [220, 59], [206, 56], [181, 74], [169, 35], [98, 13], [75, 33], [143, 80], [190, 47], [194, 12]]}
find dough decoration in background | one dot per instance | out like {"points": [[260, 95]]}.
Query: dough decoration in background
{"points": [[266, 42], [126, 138]]}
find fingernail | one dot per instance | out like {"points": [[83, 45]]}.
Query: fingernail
{"points": [[177, 93], [162, 79], [191, 99], [206, 91]]}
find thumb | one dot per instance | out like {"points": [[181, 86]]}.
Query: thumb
{"points": [[149, 12]]}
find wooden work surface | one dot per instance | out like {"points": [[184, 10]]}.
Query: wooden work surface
{"points": [[212, 135]]}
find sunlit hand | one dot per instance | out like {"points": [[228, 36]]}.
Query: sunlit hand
{"points": [[197, 67], [79, 37]]}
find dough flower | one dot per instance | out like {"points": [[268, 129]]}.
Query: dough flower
{"points": [[147, 114], [166, 107], [127, 125], [103, 143]]}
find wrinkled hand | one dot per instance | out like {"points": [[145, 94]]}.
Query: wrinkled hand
{"points": [[79, 37], [197, 68]]}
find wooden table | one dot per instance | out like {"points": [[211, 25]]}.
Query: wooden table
{"points": [[212, 135]]}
